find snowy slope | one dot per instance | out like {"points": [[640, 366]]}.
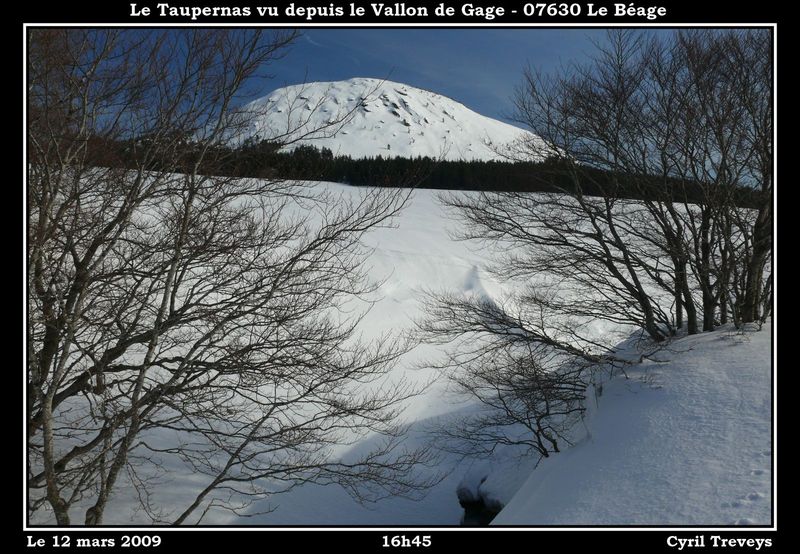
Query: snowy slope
{"points": [[683, 442], [416, 254], [380, 118]]}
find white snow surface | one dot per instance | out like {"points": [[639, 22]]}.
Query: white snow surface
{"points": [[686, 442], [381, 118], [683, 442]]}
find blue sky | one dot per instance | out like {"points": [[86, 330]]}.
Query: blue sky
{"points": [[478, 67]]}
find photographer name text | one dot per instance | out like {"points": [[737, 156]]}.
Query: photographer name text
{"points": [[717, 541]]}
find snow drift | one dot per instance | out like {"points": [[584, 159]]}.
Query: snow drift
{"points": [[683, 442]]}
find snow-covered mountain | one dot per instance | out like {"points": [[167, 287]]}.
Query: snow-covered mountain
{"points": [[364, 117]]}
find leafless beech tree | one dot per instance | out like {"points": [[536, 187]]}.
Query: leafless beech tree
{"points": [[687, 122], [658, 139], [528, 383], [178, 320]]}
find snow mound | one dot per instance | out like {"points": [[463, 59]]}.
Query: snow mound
{"points": [[683, 442], [382, 118]]}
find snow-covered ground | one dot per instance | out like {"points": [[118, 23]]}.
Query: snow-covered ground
{"points": [[381, 118], [682, 442]]}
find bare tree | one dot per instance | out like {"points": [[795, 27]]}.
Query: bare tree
{"points": [[176, 319], [661, 148], [708, 109], [528, 383], [682, 124]]}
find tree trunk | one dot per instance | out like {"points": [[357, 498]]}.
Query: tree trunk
{"points": [[723, 311], [762, 246], [60, 508], [709, 311], [682, 285]]}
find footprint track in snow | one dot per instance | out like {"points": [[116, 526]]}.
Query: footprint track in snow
{"points": [[743, 500]]}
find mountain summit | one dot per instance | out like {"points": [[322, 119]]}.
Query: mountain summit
{"points": [[365, 117]]}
